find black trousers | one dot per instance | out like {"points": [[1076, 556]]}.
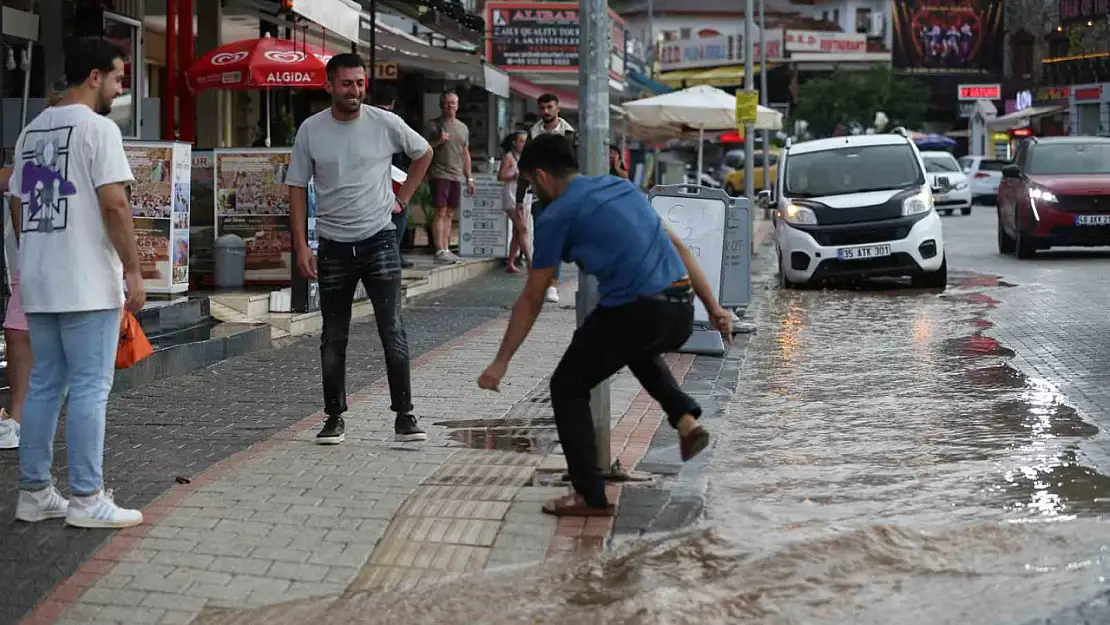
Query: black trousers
{"points": [[635, 335], [377, 263]]}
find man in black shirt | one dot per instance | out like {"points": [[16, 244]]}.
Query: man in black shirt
{"points": [[385, 97]]}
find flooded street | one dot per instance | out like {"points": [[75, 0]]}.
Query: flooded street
{"points": [[887, 455]]}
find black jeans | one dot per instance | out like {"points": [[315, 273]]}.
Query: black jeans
{"points": [[635, 335], [377, 263], [401, 221]]}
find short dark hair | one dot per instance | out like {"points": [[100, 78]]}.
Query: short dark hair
{"points": [[384, 95], [85, 54], [346, 60], [547, 97], [551, 153]]}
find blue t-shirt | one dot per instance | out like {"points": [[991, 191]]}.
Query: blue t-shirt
{"points": [[606, 226]]}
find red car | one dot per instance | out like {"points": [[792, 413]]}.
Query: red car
{"points": [[1056, 194]]}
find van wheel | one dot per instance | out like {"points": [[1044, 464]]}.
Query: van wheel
{"points": [[934, 280], [947, 213], [1006, 244], [965, 211], [1025, 246], [784, 282]]}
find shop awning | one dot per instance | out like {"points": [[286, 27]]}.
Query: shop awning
{"points": [[641, 83], [716, 77], [531, 91], [409, 54], [1017, 118]]}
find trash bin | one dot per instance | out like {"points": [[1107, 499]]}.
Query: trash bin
{"points": [[229, 254]]}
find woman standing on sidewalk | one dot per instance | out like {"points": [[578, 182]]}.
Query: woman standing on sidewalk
{"points": [[512, 146]]}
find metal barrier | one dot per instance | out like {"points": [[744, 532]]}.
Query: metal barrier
{"points": [[718, 230]]}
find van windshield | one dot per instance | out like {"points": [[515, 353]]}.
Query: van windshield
{"points": [[854, 169]]}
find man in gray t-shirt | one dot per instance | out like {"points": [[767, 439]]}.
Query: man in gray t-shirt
{"points": [[347, 151]]}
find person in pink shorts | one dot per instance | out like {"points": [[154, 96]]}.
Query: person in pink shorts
{"points": [[16, 337]]}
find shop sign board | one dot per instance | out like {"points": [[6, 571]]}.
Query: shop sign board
{"points": [[160, 200]]}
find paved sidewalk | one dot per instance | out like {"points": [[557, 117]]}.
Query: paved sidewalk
{"points": [[287, 519]]}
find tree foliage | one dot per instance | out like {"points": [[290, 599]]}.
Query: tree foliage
{"points": [[854, 96]]}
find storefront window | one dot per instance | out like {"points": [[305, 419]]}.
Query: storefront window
{"points": [[127, 33]]}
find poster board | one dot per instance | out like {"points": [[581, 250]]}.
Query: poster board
{"points": [[251, 201], [160, 209], [484, 227], [697, 215], [736, 265], [202, 220]]}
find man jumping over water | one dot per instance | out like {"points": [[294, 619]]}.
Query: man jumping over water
{"points": [[647, 280]]}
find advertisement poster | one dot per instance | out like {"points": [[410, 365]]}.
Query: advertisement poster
{"points": [[542, 37], [948, 36], [253, 203], [159, 203], [202, 219], [182, 201], [484, 227]]}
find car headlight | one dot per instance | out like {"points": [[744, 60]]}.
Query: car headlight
{"points": [[801, 215], [917, 204], [960, 186], [1042, 195]]}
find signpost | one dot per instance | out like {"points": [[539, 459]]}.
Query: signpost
{"points": [[593, 85]]}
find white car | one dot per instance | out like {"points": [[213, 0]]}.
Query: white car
{"points": [[856, 207], [958, 195], [985, 175]]}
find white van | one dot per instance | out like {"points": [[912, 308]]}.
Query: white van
{"points": [[856, 207]]}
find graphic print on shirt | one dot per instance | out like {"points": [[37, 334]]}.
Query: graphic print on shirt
{"points": [[45, 187]]}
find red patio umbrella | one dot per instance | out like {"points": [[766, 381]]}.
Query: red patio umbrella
{"points": [[260, 64]]}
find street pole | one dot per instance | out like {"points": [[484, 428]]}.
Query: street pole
{"points": [[651, 75], [763, 90], [373, 48], [749, 152], [593, 119]]}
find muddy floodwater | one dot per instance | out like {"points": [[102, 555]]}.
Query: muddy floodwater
{"points": [[881, 462]]}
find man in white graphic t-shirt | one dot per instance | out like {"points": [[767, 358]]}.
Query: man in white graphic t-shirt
{"points": [[77, 248]]}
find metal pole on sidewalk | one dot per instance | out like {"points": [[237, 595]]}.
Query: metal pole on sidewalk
{"points": [[749, 152], [763, 89], [593, 118]]}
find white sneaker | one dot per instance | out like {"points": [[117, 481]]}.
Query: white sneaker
{"points": [[552, 295], [9, 432], [40, 505], [444, 257], [100, 511]]}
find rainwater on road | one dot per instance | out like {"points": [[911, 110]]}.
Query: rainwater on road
{"points": [[889, 456]]}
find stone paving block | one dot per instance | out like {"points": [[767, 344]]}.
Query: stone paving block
{"points": [[297, 572], [173, 601], [130, 614], [176, 617], [240, 566]]}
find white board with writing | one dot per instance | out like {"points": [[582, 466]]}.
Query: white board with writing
{"points": [[484, 227], [697, 217]]}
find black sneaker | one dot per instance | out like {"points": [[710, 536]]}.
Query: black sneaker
{"points": [[332, 432], [407, 264], [406, 429]]}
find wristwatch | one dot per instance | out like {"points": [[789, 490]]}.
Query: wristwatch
{"points": [[470, 180]]}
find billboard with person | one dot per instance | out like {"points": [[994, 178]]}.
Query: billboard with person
{"points": [[948, 36]]}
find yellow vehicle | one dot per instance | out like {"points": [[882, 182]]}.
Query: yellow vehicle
{"points": [[734, 180]]}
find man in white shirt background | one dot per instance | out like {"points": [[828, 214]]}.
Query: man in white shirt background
{"points": [[77, 248], [348, 151], [550, 123]]}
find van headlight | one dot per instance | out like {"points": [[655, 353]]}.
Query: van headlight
{"points": [[1040, 194], [800, 215], [960, 186], [917, 204]]}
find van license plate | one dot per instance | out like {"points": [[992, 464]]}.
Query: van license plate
{"points": [[858, 253], [1092, 220]]}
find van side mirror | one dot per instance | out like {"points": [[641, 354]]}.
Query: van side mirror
{"points": [[943, 185], [763, 199], [1011, 171]]}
